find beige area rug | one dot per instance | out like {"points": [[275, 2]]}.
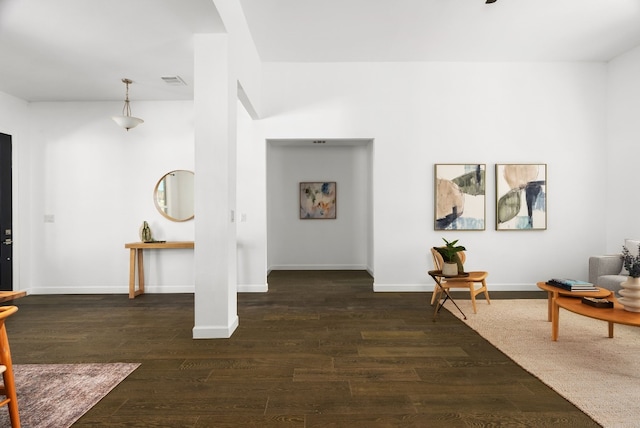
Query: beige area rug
{"points": [[57, 395], [601, 376]]}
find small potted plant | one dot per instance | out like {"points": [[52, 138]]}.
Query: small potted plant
{"points": [[452, 264], [631, 263], [630, 292]]}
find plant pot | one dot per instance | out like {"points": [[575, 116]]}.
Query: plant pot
{"points": [[450, 269], [630, 294]]}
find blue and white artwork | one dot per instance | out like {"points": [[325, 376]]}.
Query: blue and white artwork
{"points": [[460, 196], [521, 192], [318, 200]]}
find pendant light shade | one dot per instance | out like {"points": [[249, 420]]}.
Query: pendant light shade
{"points": [[126, 120]]}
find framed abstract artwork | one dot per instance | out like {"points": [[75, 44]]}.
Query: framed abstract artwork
{"points": [[521, 196], [460, 196], [318, 200]]}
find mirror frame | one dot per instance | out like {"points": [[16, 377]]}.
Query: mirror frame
{"points": [[155, 197]]}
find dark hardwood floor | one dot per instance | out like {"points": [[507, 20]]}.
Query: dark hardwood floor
{"points": [[320, 349]]}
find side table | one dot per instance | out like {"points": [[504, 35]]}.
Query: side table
{"points": [[438, 277]]}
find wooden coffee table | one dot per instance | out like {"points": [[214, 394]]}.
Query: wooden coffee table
{"points": [[551, 290], [615, 315]]}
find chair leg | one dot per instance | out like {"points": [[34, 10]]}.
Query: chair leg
{"points": [[486, 292], [473, 297], [9, 382], [435, 296], [10, 390]]}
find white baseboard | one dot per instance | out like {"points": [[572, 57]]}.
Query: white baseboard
{"points": [[253, 288], [258, 288], [215, 332], [319, 267], [408, 288], [402, 288], [151, 289], [512, 287]]}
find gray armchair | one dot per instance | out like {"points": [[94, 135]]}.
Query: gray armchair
{"points": [[604, 271]]}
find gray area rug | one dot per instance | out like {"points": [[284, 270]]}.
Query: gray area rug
{"points": [[601, 376], [57, 395]]}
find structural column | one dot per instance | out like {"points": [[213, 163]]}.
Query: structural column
{"points": [[215, 174]]}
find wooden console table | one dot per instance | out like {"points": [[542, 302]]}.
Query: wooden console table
{"points": [[6, 296], [136, 254]]}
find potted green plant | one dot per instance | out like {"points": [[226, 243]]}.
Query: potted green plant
{"points": [[452, 263], [631, 263], [630, 292]]}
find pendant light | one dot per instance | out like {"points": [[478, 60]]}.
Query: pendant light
{"points": [[126, 120]]}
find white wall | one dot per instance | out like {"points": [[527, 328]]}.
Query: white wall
{"points": [[342, 243], [14, 121], [623, 151], [251, 207], [422, 114], [97, 181]]}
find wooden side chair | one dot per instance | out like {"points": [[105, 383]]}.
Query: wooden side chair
{"points": [[475, 282], [8, 389]]}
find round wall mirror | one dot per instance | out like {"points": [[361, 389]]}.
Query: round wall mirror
{"points": [[173, 195]]}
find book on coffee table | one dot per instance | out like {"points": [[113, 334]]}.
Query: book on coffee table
{"points": [[572, 284]]}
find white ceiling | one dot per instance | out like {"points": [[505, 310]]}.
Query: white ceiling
{"points": [[443, 30], [58, 50], [76, 50]]}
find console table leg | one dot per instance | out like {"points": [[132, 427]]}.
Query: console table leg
{"points": [[610, 329], [140, 274], [136, 255], [132, 273]]}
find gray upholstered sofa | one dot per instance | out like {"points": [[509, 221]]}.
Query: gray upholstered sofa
{"points": [[605, 271]]}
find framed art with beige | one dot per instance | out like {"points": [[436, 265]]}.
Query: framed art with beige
{"points": [[521, 196], [460, 196]]}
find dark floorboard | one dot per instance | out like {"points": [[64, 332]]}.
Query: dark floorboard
{"points": [[320, 349]]}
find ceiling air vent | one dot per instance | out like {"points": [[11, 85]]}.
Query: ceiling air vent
{"points": [[173, 81]]}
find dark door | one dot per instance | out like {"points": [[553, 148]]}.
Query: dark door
{"points": [[6, 235]]}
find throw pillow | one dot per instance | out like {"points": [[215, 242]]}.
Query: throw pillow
{"points": [[632, 246]]}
